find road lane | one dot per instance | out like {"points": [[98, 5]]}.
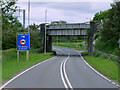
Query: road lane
{"points": [[80, 75], [65, 70], [45, 75]]}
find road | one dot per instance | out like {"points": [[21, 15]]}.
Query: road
{"points": [[67, 70]]}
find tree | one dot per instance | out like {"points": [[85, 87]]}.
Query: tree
{"points": [[34, 27], [101, 16], [36, 38], [58, 22], [10, 24], [110, 33]]}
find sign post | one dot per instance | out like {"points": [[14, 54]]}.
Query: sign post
{"points": [[119, 43], [17, 56], [22, 44]]}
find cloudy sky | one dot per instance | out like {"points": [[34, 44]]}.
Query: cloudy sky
{"points": [[72, 12]]}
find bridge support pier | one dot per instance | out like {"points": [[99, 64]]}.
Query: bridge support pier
{"points": [[90, 45], [91, 37], [49, 43], [48, 39]]}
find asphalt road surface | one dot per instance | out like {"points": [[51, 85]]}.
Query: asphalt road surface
{"points": [[67, 70]]}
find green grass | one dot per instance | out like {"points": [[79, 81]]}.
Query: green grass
{"points": [[73, 45], [10, 66], [105, 66]]}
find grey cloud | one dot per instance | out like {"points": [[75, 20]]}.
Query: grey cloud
{"points": [[80, 7], [67, 6], [69, 11]]}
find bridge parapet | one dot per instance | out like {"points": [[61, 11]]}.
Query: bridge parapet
{"points": [[68, 29], [69, 26]]}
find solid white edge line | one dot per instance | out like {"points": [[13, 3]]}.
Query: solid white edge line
{"points": [[24, 72], [61, 74], [66, 74], [98, 72]]}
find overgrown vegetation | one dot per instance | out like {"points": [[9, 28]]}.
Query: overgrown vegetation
{"points": [[109, 30]]}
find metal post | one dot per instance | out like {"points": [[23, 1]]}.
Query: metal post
{"points": [[28, 15], [27, 55], [45, 30], [17, 55], [57, 40], [24, 19], [84, 43]]}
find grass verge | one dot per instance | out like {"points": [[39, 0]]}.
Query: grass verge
{"points": [[68, 46], [104, 65], [10, 66]]}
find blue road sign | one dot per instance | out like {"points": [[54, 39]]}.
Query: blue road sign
{"points": [[22, 41]]}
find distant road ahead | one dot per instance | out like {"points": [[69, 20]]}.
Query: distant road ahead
{"points": [[67, 70]]}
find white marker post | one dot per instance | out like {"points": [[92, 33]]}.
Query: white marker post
{"points": [[119, 43]]}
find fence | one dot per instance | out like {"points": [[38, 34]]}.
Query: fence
{"points": [[110, 56]]}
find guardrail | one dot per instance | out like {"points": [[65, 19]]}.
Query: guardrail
{"points": [[110, 56]]}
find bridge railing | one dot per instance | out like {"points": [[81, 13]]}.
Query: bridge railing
{"points": [[68, 26]]}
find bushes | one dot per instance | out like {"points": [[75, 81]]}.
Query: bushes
{"points": [[107, 47], [54, 52], [84, 53], [36, 41]]}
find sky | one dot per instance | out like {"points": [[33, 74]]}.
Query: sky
{"points": [[72, 12]]}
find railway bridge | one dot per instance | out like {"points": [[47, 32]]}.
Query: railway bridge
{"points": [[69, 29]]}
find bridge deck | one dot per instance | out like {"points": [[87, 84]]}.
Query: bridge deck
{"points": [[68, 29]]}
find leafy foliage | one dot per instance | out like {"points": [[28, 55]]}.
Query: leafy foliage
{"points": [[36, 41], [58, 22], [109, 33], [10, 24]]}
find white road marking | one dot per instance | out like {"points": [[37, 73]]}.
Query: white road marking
{"points": [[24, 72], [63, 72], [98, 72], [66, 74]]}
